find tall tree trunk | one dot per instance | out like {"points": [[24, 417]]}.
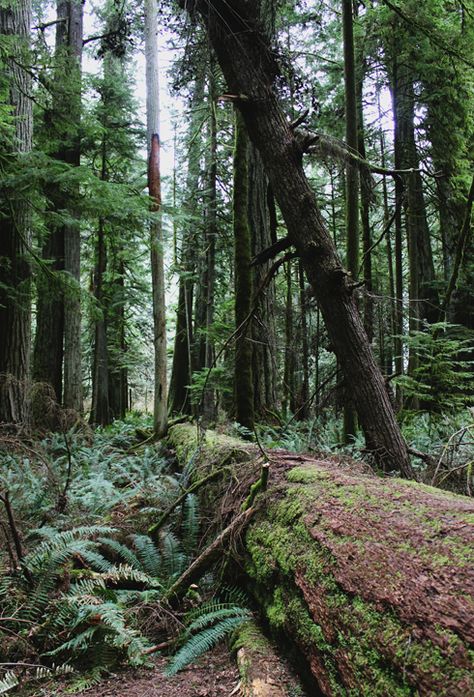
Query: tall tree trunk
{"points": [[289, 382], [182, 367], [424, 299], [398, 160], [58, 308], [207, 351], [100, 411], [243, 383], [303, 392], [72, 398], [117, 369], [352, 183], [15, 239], [249, 68], [160, 413], [262, 220]]}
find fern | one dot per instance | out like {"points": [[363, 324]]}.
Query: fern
{"points": [[8, 682], [206, 639], [190, 525]]}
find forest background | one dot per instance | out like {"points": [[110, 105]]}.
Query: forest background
{"points": [[288, 258], [381, 100]]}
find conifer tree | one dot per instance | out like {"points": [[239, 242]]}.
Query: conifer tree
{"points": [[15, 212]]}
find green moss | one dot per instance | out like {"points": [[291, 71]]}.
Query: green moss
{"points": [[306, 475], [249, 636]]}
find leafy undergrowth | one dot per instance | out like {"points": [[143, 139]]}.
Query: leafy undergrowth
{"points": [[447, 439], [82, 582]]}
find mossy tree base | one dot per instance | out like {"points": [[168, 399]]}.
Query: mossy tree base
{"points": [[371, 578]]}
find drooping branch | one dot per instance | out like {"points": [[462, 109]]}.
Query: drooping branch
{"points": [[271, 252]]}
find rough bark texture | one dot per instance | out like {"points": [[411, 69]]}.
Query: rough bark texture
{"points": [[249, 68], [181, 372], [15, 237], [370, 578], [243, 383], [58, 332], [424, 300], [72, 10], [263, 232]]}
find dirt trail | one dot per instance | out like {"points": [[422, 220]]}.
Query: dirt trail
{"points": [[214, 675]]}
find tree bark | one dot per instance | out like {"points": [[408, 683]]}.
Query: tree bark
{"points": [[160, 413], [53, 290], [72, 397], [249, 68], [243, 382], [15, 238]]}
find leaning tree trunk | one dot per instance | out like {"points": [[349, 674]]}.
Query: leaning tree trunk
{"points": [[249, 68], [15, 237], [160, 411]]}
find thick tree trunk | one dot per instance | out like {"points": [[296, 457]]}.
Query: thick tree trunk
{"points": [[262, 222], [15, 237], [58, 331], [160, 409], [424, 299], [249, 68], [369, 579], [243, 383]]}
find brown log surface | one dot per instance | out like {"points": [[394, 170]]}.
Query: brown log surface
{"points": [[371, 578]]}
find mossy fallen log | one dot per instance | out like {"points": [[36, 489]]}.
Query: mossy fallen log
{"points": [[372, 579], [263, 671]]}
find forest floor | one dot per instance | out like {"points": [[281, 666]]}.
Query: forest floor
{"points": [[214, 675]]}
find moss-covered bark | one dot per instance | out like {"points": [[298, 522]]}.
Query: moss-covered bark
{"points": [[371, 579]]}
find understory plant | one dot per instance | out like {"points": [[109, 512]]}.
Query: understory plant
{"points": [[81, 572]]}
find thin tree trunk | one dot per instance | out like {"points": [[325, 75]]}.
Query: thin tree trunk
{"points": [[182, 368], [249, 68], [303, 393], [100, 411], [160, 414], [243, 383], [209, 397], [352, 184], [15, 239], [72, 398], [289, 388]]}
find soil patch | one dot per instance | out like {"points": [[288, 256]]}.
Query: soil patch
{"points": [[214, 675]]}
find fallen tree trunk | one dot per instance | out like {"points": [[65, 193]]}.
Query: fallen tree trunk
{"points": [[372, 579]]}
